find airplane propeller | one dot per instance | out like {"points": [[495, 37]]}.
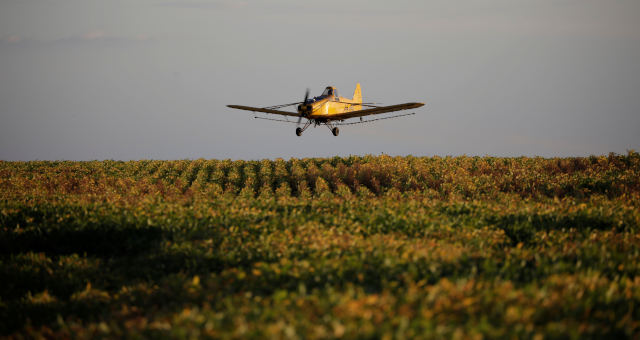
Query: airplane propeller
{"points": [[304, 102]]}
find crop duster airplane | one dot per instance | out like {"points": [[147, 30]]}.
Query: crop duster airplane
{"points": [[330, 109]]}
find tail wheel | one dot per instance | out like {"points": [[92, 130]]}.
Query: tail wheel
{"points": [[335, 131], [298, 132]]}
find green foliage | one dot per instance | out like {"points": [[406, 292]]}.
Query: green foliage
{"points": [[357, 247]]}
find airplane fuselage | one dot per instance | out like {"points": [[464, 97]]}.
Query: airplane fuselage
{"points": [[323, 107]]}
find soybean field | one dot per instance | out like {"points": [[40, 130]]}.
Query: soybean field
{"points": [[343, 247]]}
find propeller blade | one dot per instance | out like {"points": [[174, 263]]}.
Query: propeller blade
{"points": [[299, 119], [306, 96]]}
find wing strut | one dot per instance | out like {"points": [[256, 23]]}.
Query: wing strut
{"points": [[373, 120], [351, 123]]}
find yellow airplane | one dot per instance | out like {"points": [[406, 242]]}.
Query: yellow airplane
{"points": [[329, 108]]}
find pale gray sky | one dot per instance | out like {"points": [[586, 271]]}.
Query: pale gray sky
{"points": [[140, 79]]}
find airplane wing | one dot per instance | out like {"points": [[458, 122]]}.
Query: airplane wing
{"points": [[266, 110], [375, 111]]}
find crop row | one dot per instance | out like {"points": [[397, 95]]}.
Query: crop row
{"points": [[468, 177]]}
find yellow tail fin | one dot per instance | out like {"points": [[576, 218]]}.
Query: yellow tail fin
{"points": [[357, 94]]}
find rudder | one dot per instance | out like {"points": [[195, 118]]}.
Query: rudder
{"points": [[357, 94]]}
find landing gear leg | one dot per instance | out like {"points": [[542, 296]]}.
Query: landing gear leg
{"points": [[300, 130], [334, 129]]}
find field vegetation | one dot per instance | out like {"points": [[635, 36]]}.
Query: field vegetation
{"points": [[366, 247]]}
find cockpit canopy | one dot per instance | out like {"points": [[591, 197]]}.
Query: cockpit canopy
{"points": [[330, 90]]}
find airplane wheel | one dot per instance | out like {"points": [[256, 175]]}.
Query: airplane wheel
{"points": [[335, 131], [298, 132]]}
